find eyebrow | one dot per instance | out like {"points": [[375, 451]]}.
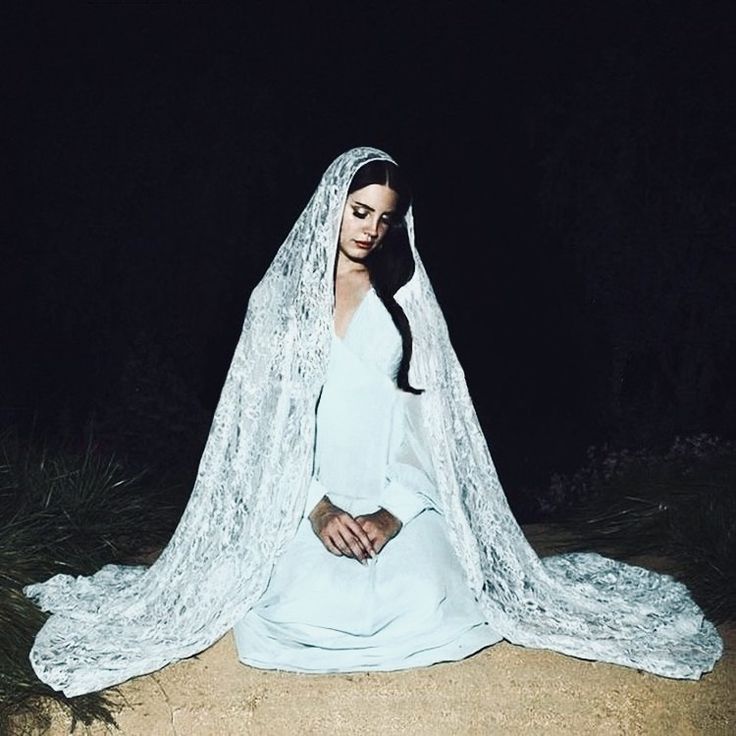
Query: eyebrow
{"points": [[368, 207]]}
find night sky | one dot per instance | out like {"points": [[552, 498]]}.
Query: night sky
{"points": [[573, 174]]}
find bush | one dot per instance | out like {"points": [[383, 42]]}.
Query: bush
{"points": [[680, 504], [68, 512]]}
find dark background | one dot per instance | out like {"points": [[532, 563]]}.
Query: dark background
{"points": [[573, 174]]}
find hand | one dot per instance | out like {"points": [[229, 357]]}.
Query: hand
{"points": [[380, 527], [339, 532]]}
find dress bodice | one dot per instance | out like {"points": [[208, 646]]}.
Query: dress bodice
{"points": [[356, 410], [372, 336]]}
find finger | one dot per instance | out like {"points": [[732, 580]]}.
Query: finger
{"points": [[372, 535], [346, 528], [337, 539], [330, 545], [356, 548], [365, 525], [379, 543], [335, 528], [360, 534]]}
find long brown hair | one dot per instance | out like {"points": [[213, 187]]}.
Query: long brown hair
{"points": [[391, 265]]}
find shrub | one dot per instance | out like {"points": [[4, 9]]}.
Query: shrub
{"points": [[68, 512], [680, 504]]}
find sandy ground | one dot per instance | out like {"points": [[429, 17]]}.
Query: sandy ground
{"points": [[502, 690]]}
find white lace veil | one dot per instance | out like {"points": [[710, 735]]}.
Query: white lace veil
{"points": [[251, 488]]}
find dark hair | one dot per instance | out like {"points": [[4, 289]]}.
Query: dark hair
{"points": [[391, 265]]}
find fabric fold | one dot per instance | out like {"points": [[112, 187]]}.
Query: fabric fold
{"points": [[252, 485]]}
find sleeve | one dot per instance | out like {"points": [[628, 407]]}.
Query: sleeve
{"points": [[409, 486], [315, 492]]}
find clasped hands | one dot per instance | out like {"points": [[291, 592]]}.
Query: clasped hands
{"points": [[359, 537]]}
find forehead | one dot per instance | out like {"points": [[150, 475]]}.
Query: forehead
{"points": [[376, 196]]}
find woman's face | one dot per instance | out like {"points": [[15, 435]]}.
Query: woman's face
{"points": [[366, 220]]}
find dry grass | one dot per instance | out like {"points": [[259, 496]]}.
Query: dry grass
{"points": [[62, 512]]}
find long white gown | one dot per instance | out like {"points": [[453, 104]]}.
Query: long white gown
{"points": [[238, 530], [408, 607]]}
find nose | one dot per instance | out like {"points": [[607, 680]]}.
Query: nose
{"points": [[371, 226]]}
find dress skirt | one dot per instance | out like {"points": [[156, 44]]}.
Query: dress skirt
{"points": [[410, 605], [407, 607]]}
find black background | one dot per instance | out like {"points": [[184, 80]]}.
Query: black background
{"points": [[572, 166]]}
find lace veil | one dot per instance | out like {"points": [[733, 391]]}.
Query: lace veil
{"points": [[251, 487]]}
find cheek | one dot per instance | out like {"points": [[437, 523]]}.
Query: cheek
{"points": [[343, 230], [345, 225]]}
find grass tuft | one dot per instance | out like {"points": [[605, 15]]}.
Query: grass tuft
{"points": [[680, 505], [69, 512]]}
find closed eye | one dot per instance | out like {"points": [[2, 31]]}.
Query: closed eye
{"points": [[362, 214]]}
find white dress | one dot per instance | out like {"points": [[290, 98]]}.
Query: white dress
{"points": [[411, 605]]}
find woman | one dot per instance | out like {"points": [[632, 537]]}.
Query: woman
{"points": [[254, 485], [410, 604]]}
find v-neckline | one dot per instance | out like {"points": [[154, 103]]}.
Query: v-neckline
{"points": [[352, 317]]}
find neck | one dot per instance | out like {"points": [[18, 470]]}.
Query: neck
{"points": [[348, 267]]}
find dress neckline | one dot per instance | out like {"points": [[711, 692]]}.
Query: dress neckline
{"points": [[352, 317]]}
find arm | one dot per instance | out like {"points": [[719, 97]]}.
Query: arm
{"points": [[409, 486]]}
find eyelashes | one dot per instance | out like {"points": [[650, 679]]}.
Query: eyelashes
{"points": [[385, 220]]}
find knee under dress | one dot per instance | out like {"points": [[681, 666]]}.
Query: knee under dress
{"points": [[411, 605]]}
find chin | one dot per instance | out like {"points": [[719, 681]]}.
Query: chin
{"points": [[356, 254]]}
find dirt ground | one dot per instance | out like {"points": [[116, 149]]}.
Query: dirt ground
{"points": [[504, 689]]}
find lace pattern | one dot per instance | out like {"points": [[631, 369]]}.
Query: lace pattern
{"points": [[252, 484]]}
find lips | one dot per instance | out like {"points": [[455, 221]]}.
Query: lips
{"points": [[364, 244]]}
